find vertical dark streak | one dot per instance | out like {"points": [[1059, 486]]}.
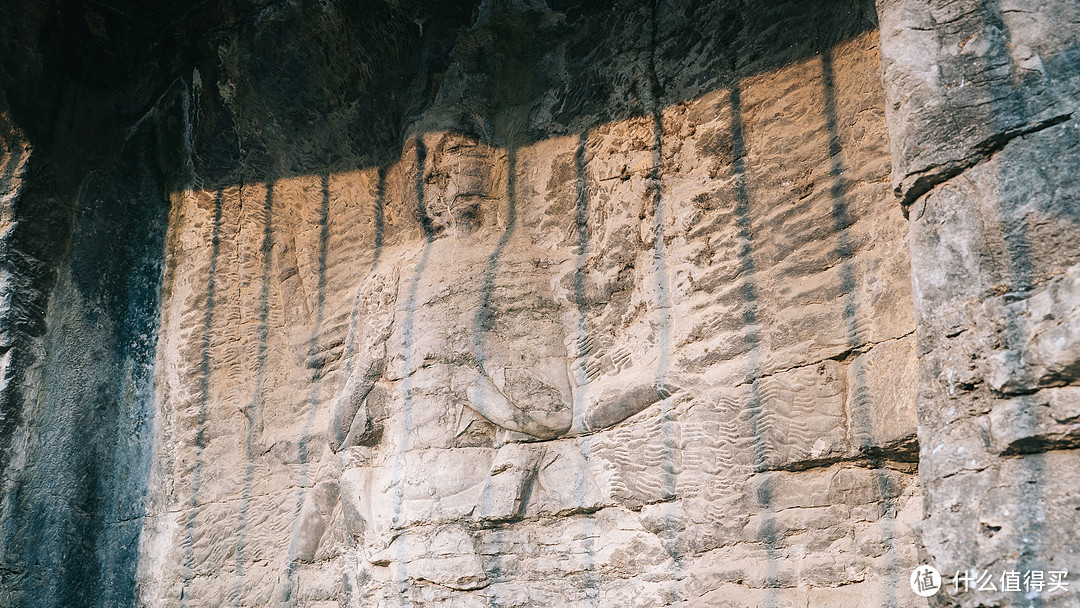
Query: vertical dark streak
{"points": [[354, 320], [483, 319], [754, 407], [380, 217], [861, 424], [292, 570], [581, 224], [410, 366], [376, 256], [320, 304], [188, 572], [1021, 279], [670, 449], [421, 207], [251, 412], [580, 398], [481, 325]]}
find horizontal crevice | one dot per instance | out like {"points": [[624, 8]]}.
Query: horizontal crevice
{"points": [[931, 177], [1030, 446]]}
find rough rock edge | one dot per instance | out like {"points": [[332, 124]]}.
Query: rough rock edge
{"points": [[915, 184]]}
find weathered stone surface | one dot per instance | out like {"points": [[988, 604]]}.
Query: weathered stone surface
{"points": [[982, 99], [80, 267], [998, 351], [536, 303], [661, 359], [964, 78]]}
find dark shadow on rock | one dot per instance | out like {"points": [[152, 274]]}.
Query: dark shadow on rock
{"points": [[252, 412], [407, 345], [303, 89], [768, 533], [313, 401], [860, 415], [190, 525], [281, 89]]}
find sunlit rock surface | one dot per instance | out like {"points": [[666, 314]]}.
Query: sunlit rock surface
{"points": [[535, 304]]}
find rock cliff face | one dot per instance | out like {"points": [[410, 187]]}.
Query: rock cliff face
{"points": [[983, 98], [532, 303]]}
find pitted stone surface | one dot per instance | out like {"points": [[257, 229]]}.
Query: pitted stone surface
{"points": [[982, 100], [666, 359], [536, 303]]}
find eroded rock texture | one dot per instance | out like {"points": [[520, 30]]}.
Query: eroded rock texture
{"points": [[983, 98], [400, 303], [625, 320], [83, 194]]}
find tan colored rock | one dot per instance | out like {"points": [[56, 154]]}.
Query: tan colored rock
{"points": [[628, 368]]}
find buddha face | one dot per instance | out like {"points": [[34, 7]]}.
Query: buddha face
{"points": [[464, 181]]}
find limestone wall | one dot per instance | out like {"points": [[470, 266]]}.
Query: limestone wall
{"points": [[667, 358], [984, 138], [536, 303], [81, 255]]}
